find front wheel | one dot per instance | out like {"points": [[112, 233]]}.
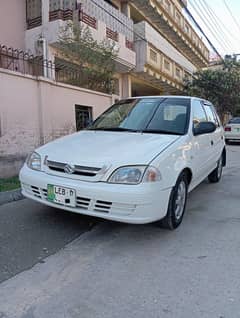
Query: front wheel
{"points": [[176, 205], [216, 174]]}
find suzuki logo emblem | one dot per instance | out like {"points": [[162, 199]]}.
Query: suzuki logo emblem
{"points": [[69, 169]]}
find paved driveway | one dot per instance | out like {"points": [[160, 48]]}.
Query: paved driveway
{"points": [[117, 270]]}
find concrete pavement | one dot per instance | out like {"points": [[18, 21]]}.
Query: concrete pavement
{"points": [[29, 232], [119, 270]]}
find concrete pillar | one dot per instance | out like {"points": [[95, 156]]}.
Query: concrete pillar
{"points": [[45, 47], [40, 114], [51, 64], [125, 8], [45, 12], [126, 86]]}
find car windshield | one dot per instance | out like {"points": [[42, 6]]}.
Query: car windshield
{"points": [[235, 120], [148, 115]]}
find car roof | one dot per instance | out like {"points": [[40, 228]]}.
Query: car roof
{"points": [[169, 96]]}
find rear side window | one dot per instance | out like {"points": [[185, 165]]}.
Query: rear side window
{"points": [[199, 114]]}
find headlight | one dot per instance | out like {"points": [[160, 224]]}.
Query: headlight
{"points": [[135, 175], [34, 161]]}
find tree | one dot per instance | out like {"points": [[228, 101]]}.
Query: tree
{"points": [[90, 64], [221, 86]]}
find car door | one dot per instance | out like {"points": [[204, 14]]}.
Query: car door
{"points": [[201, 145], [216, 138]]}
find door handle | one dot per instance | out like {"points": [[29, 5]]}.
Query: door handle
{"points": [[212, 142]]}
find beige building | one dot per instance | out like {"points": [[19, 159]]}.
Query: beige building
{"points": [[157, 46], [157, 49]]}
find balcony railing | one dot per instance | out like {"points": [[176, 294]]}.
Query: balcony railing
{"points": [[87, 19], [162, 64], [33, 23], [111, 34], [62, 71], [167, 18], [156, 54], [114, 20], [61, 15], [63, 10]]}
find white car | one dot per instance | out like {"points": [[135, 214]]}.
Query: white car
{"points": [[135, 163], [232, 130]]}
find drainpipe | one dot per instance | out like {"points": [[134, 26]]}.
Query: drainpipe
{"points": [[45, 57]]}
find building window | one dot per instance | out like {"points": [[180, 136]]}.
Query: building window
{"points": [[167, 65], [153, 55], [187, 76], [167, 5], [186, 28], [178, 18], [178, 72], [83, 115], [194, 38]]}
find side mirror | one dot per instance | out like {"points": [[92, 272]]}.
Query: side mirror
{"points": [[206, 127]]}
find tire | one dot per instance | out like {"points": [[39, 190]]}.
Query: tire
{"points": [[176, 205], [216, 174]]}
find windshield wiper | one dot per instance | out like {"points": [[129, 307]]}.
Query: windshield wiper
{"points": [[149, 131], [159, 131], [114, 129]]}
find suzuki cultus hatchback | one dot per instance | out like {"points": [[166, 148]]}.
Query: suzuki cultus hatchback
{"points": [[135, 163]]}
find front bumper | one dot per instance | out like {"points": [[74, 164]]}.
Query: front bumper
{"points": [[137, 204]]}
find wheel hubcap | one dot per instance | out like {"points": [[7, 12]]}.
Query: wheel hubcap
{"points": [[180, 200]]}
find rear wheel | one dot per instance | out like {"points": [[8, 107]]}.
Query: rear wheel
{"points": [[216, 174], [177, 204]]}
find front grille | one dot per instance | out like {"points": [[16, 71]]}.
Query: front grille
{"points": [[76, 170], [102, 206], [36, 192], [83, 203], [44, 191]]}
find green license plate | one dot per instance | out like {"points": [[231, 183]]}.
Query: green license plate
{"points": [[61, 195]]}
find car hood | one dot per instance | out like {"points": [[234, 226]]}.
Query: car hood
{"points": [[99, 148]]}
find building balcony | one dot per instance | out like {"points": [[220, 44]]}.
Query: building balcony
{"points": [[168, 19], [102, 19], [158, 61]]}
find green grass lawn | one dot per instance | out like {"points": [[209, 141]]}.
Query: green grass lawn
{"points": [[9, 184]]}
